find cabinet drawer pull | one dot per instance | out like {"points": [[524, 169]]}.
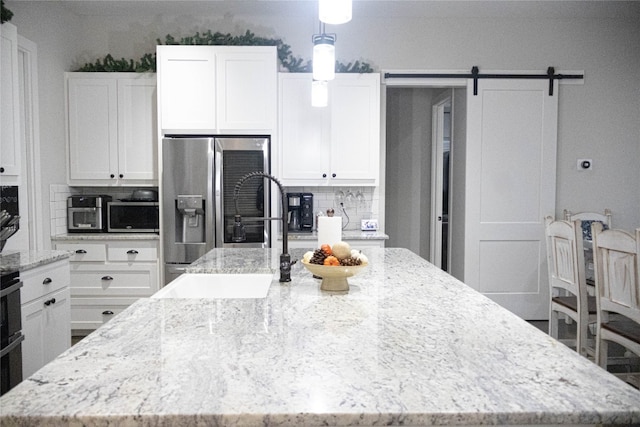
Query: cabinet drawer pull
{"points": [[132, 252], [107, 313], [107, 278], [81, 251], [47, 281], [50, 301]]}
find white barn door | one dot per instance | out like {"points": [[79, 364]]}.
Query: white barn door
{"points": [[510, 187]]}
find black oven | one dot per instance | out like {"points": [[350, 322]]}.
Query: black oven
{"points": [[133, 217], [10, 331]]}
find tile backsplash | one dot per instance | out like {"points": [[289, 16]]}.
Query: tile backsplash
{"points": [[58, 194], [358, 202]]}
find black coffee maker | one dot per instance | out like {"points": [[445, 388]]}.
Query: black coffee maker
{"points": [[300, 211]]}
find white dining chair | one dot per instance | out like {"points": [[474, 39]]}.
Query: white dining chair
{"points": [[567, 284], [617, 265], [586, 219]]}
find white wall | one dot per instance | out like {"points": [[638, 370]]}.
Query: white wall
{"points": [[408, 169], [598, 120]]}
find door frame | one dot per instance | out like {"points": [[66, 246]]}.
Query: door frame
{"points": [[430, 83], [30, 130], [437, 171]]}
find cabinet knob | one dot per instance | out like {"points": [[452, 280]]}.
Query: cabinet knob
{"points": [[107, 278], [324, 175], [112, 176], [1, 170], [107, 313], [81, 251], [132, 252], [121, 176], [333, 175], [47, 281]]}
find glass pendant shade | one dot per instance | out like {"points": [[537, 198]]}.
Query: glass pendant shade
{"points": [[319, 93], [334, 11], [324, 57]]}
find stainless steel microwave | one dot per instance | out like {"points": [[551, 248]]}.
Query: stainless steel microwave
{"points": [[133, 217]]}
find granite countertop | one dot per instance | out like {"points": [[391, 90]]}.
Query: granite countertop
{"points": [[26, 260], [346, 235], [106, 236], [407, 345]]}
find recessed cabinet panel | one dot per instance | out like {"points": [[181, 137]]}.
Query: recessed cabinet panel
{"points": [[187, 87], [246, 87], [112, 280], [107, 276], [93, 128], [132, 251], [91, 313], [355, 127], [112, 129], [84, 252], [46, 315], [137, 124], [303, 131], [334, 145], [10, 166], [217, 89]]}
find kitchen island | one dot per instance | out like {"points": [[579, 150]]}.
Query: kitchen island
{"points": [[407, 345]]}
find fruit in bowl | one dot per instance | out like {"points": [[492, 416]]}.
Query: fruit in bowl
{"points": [[334, 264]]}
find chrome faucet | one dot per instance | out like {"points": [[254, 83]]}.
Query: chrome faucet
{"points": [[239, 234]]}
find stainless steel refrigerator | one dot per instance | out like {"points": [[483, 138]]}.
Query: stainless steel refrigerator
{"points": [[198, 208]]}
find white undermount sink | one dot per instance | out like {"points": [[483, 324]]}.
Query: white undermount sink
{"points": [[217, 286]]}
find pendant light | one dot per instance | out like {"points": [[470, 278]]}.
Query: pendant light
{"points": [[319, 93], [334, 11], [324, 57]]}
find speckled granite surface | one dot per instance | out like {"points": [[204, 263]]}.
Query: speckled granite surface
{"points": [[346, 235], [106, 236], [408, 345], [26, 260]]}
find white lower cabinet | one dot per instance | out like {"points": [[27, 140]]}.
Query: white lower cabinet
{"points": [[108, 276], [46, 314]]}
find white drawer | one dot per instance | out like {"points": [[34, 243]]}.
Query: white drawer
{"points": [[85, 252], [91, 313], [43, 280], [132, 251], [107, 280]]}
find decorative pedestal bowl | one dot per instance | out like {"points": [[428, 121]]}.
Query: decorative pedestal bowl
{"points": [[334, 278]]}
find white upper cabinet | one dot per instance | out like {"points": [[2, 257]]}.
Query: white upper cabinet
{"points": [[111, 120], [334, 145], [186, 87], [217, 89], [9, 102]]}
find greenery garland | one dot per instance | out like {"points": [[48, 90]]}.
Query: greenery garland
{"points": [[5, 14], [147, 63]]}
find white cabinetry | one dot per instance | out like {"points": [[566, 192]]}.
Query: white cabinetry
{"points": [[9, 106], [108, 276], [112, 127], [46, 313], [335, 145], [217, 89]]}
